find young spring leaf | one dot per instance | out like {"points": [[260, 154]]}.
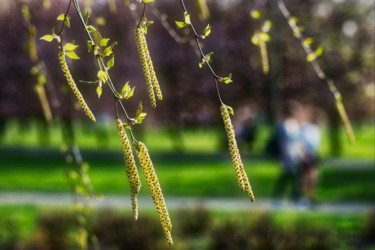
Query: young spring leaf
{"points": [[227, 79], [187, 18], [108, 51], [89, 45], [47, 38], [111, 62], [90, 28], [70, 47], [255, 39], [96, 37], [103, 42], [255, 14], [99, 90], [72, 55], [102, 76], [230, 109], [148, 1], [180, 24], [207, 30], [61, 17], [266, 26]]}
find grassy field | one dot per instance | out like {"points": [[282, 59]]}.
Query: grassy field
{"points": [[203, 140], [196, 175]]}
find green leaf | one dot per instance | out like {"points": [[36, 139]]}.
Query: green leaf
{"points": [[89, 45], [319, 51], [208, 56], [102, 75], [67, 22], [307, 41], [99, 90], [72, 55], [108, 50], [264, 36], [139, 109], [111, 62], [149, 23], [61, 17], [90, 28], [103, 42], [125, 88], [70, 47], [180, 24], [230, 109], [311, 57], [139, 116], [255, 39], [266, 26], [255, 14], [148, 1], [207, 30], [96, 37], [187, 18], [227, 79], [144, 28], [47, 38]]}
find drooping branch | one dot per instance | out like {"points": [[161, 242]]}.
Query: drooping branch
{"points": [[312, 58]]}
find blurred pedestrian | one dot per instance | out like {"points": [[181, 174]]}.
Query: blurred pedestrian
{"points": [[288, 141], [310, 138]]}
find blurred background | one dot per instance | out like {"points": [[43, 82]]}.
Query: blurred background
{"points": [[45, 138]]}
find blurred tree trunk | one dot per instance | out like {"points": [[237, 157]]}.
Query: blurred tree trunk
{"points": [[275, 75], [334, 125]]}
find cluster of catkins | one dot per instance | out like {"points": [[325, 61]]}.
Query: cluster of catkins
{"points": [[148, 68], [151, 179], [239, 170], [73, 86]]}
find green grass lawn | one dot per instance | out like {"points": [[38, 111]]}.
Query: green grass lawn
{"points": [[203, 140], [196, 175]]}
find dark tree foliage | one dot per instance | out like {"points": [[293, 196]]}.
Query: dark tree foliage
{"points": [[345, 30]]}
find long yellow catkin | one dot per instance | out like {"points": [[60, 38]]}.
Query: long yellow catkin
{"points": [[239, 170], [154, 79], [131, 169], [145, 68], [155, 190], [73, 86]]}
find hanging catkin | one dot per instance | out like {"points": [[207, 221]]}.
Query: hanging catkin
{"points": [[155, 190], [73, 86], [146, 71], [131, 169], [154, 80], [239, 170]]}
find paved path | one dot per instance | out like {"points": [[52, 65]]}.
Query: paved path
{"points": [[110, 201]]}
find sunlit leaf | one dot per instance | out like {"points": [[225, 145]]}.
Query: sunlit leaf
{"points": [[230, 109], [187, 18], [72, 55], [207, 30], [180, 24], [90, 28], [70, 46], [255, 14], [61, 17], [47, 38], [99, 90], [255, 39], [148, 1], [96, 37], [102, 75], [103, 42], [111, 62]]}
